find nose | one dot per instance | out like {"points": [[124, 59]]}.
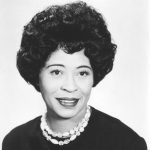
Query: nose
{"points": [[69, 84]]}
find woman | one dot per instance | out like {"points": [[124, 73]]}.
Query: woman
{"points": [[66, 51]]}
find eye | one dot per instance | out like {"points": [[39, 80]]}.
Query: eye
{"points": [[84, 73], [56, 72]]}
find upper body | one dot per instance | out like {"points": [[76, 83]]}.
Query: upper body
{"points": [[103, 132], [66, 50]]}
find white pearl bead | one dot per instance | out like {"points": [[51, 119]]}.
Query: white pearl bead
{"points": [[66, 141], [54, 134], [72, 132], [72, 137], [61, 143], [87, 116], [78, 133], [54, 141], [65, 134], [59, 135], [84, 124], [81, 129]]}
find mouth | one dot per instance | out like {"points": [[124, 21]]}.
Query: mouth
{"points": [[68, 102]]}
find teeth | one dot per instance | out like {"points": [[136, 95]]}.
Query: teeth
{"points": [[66, 102]]}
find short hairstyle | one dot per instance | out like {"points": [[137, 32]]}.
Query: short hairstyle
{"points": [[73, 27]]}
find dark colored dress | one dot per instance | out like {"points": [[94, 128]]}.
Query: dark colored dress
{"points": [[102, 133]]}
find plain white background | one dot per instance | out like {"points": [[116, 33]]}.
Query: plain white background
{"points": [[123, 93]]}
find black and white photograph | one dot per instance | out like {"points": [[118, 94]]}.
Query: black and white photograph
{"points": [[74, 75]]}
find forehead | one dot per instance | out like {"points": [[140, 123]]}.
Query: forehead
{"points": [[72, 60]]}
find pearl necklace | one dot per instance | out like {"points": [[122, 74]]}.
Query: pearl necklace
{"points": [[66, 137]]}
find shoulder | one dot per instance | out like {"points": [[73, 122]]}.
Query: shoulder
{"points": [[116, 131], [111, 124], [21, 132]]}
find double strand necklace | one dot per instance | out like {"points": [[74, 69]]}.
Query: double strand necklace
{"points": [[68, 136]]}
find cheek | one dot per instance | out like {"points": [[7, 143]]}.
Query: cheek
{"points": [[86, 87], [48, 87], [86, 90]]}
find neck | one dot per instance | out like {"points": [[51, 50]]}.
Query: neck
{"points": [[58, 124]]}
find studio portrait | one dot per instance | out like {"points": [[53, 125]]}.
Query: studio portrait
{"points": [[74, 75]]}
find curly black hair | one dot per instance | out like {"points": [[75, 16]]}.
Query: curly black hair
{"points": [[73, 27]]}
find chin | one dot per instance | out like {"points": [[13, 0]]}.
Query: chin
{"points": [[67, 113]]}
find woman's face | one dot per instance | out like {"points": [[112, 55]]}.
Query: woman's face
{"points": [[65, 82]]}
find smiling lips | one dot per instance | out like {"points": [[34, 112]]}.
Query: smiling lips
{"points": [[68, 102]]}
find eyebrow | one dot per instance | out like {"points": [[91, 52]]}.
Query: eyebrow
{"points": [[55, 65], [84, 66], [60, 65]]}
